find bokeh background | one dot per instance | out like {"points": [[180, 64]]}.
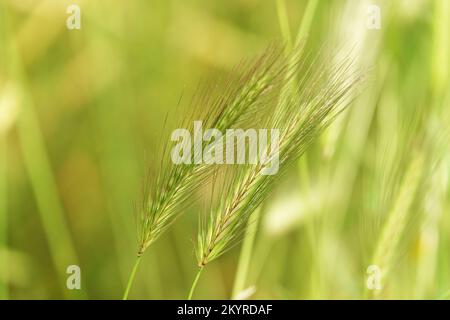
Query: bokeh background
{"points": [[81, 113]]}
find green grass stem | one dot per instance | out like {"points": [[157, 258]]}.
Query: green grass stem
{"points": [[131, 279], [194, 284]]}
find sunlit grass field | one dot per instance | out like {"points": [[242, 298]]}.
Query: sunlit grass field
{"points": [[364, 213]]}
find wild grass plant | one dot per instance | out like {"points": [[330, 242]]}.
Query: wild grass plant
{"points": [[36, 158], [242, 96], [4, 126], [3, 210], [289, 89], [321, 96]]}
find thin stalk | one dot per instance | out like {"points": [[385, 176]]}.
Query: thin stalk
{"points": [[3, 169], [304, 27], [303, 30], [194, 284], [284, 23], [131, 279], [110, 125], [3, 213], [246, 254], [40, 173], [303, 165], [306, 21], [441, 47], [46, 193], [395, 225]]}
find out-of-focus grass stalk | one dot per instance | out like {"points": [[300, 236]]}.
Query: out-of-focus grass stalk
{"points": [[245, 254], [441, 46], [41, 176], [111, 118], [3, 169], [307, 19], [284, 23], [429, 235], [340, 177], [37, 165], [302, 33], [387, 245], [3, 212]]}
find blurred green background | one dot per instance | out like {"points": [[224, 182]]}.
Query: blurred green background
{"points": [[81, 113]]}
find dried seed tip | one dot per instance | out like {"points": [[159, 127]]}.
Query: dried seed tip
{"points": [[141, 249]]}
